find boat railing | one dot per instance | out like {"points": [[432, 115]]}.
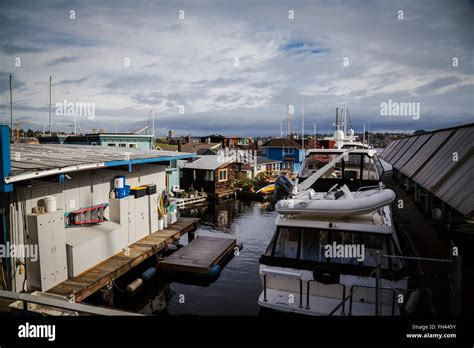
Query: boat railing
{"points": [[61, 304], [394, 294]]}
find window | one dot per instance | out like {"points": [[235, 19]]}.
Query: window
{"points": [[112, 144], [223, 175], [275, 166], [123, 145], [194, 174], [181, 174], [288, 150], [133, 145], [209, 176], [288, 165], [287, 244], [259, 167]]}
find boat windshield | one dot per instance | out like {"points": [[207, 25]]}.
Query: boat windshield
{"points": [[355, 170], [319, 246]]}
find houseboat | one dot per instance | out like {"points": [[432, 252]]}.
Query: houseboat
{"points": [[61, 204]]}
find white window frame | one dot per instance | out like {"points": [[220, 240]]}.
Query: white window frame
{"points": [[133, 145], [226, 174], [288, 150]]}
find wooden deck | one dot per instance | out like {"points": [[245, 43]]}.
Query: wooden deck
{"points": [[101, 275], [199, 255]]}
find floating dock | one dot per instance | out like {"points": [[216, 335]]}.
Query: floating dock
{"points": [[105, 272], [199, 256]]}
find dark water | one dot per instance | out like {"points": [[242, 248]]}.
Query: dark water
{"points": [[236, 290]]}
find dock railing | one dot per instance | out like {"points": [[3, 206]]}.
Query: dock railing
{"points": [[79, 308]]}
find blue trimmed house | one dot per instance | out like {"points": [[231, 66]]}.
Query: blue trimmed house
{"points": [[285, 150]]}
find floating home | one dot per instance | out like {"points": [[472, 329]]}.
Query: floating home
{"points": [[213, 174], [43, 184], [285, 150]]}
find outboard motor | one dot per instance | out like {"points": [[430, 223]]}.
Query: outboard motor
{"points": [[283, 190]]}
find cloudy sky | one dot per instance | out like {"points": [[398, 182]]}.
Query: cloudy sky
{"points": [[234, 66]]}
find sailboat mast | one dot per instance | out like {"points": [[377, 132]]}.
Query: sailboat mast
{"points": [[50, 105], [302, 125], [11, 110], [153, 120]]}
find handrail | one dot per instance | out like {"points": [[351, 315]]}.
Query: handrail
{"points": [[70, 306], [373, 287]]}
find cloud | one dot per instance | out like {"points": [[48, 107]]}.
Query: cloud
{"points": [[235, 66], [62, 60]]}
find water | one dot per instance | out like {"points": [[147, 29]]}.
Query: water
{"points": [[238, 287]]}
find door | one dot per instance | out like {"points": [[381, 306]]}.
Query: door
{"points": [[59, 247], [131, 220]]}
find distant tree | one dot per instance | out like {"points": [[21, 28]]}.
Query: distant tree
{"points": [[30, 133], [419, 131]]}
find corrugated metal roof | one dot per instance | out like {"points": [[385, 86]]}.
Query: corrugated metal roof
{"points": [[39, 160], [412, 150], [403, 149], [458, 190], [441, 162], [423, 154], [395, 150]]}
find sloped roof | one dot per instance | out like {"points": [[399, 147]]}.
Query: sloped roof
{"points": [[210, 162], [282, 142], [429, 159]]}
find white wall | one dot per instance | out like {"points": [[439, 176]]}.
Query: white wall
{"points": [[84, 189]]}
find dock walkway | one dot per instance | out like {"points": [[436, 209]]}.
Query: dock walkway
{"points": [[101, 275], [426, 240]]}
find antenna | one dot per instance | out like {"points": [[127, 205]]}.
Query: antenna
{"points": [[281, 129], [314, 130], [11, 110], [50, 105], [363, 136], [368, 134], [345, 121], [302, 125], [289, 119], [153, 120]]}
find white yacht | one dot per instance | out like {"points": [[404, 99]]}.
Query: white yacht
{"points": [[333, 228]]}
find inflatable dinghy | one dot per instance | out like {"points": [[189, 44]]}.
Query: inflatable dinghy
{"points": [[344, 204]]}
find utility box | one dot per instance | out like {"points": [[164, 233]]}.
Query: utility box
{"points": [[46, 232], [142, 217], [122, 211]]}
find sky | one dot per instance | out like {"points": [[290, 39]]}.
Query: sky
{"points": [[233, 67]]}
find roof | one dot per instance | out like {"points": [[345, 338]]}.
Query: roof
{"points": [[282, 142], [429, 159], [29, 161], [264, 160], [199, 147], [210, 162]]}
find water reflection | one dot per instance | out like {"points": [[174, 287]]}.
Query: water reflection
{"points": [[236, 290]]}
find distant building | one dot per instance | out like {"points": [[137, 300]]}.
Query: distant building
{"points": [[228, 141], [285, 150], [267, 165], [136, 141], [210, 174], [202, 148]]}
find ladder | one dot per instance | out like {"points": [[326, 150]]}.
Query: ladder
{"points": [[84, 216]]}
